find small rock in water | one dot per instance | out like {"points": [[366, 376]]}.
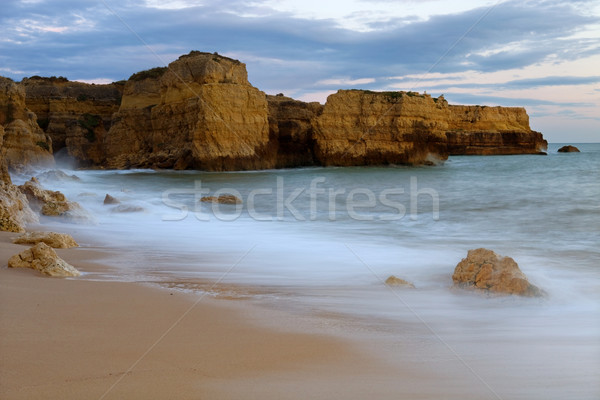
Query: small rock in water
{"points": [[395, 281], [485, 270], [223, 199], [568, 149], [110, 200], [43, 258]]}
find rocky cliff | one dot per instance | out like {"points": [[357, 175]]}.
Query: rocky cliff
{"points": [[201, 112], [75, 115], [359, 127], [22, 141], [481, 130], [291, 131]]}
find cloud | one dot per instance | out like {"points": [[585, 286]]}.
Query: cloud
{"points": [[301, 56], [345, 82], [465, 98], [530, 83], [541, 29]]}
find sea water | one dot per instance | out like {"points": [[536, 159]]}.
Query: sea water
{"points": [[325, 239]]}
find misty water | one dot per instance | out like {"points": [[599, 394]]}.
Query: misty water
{"points": [[324, 239]]}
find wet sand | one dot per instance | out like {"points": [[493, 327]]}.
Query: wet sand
{"points": [[76, 338]]}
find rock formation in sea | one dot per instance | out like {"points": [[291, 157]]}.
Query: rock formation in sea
{"points": [[482, 130], [485, 270], [398, 282], [568, 149], [52, 203], [43, 258], [108, 200], [222, 199], [22, 141], [201, 112], [359, 127]]}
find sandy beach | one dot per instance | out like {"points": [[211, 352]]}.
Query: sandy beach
{"points": [[76, 338]]}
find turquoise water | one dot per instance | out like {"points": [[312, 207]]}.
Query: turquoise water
{"points": [[324, 239]]}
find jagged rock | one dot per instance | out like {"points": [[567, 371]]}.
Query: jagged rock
{"points": [[14, 207], [483, 269], [43, 258], [110, 200], [57, 175], [23, 140], [222, 199], [52, 239], [395, 281], [39, 196], [52, 203], [59, 208], [568, 149]]}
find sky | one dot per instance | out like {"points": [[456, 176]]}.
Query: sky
{"points": [[543, 55]]}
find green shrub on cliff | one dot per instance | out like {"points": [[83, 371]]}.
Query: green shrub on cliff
{"points": [[89, 122], [152, 73], [43, 145], [51, 79]]}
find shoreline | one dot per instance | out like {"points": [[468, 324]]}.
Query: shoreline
{"points": [[76, 338], [293, 332]]}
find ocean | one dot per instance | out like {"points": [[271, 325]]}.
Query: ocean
{"points": [[323, 241]]}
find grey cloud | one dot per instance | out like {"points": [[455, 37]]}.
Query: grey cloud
{"points": [[523, 83], [109, 50], [463, 98]]}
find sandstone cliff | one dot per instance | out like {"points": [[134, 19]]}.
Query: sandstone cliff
{"points": [[291, 130], [75, 115], [360, 127], [200, 113], [481, 130], [22, 141]]}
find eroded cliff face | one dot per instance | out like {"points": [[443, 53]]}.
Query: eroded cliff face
{"points": [[375, 128], [14, 207], [291, 131], [75, 115], [23, 142], [363, 128], [200, 113], [482, 130]]}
